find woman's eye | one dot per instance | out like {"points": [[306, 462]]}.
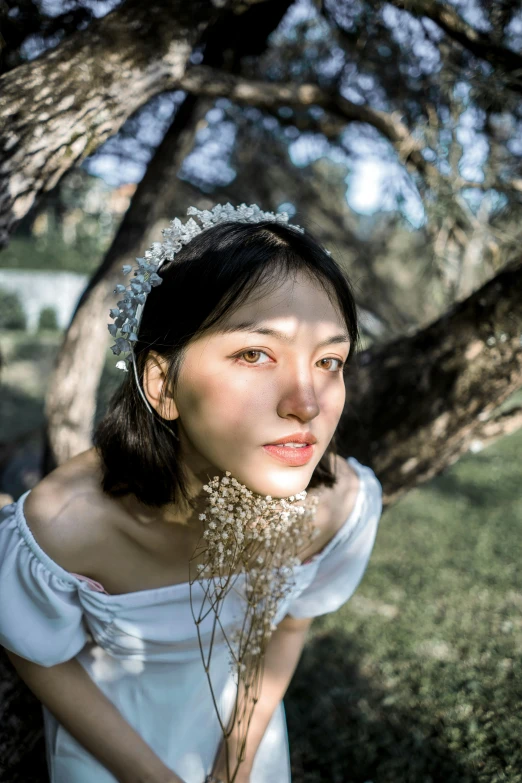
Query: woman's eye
{"points": [[249, 353], [338, 367]]}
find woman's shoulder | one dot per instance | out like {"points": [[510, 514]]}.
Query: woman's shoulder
{"points": [[335, 503], [67, 513]]}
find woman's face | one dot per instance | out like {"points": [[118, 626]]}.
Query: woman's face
{"points": [[242, 389]]}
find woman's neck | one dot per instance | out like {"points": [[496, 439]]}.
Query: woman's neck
{"points": [[180, 512]]}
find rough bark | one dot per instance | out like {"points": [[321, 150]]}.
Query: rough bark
{"points": [[415, 405], [56, 110]]}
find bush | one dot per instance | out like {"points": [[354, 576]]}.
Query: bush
{"points": [[12, 314], [47, 319]]}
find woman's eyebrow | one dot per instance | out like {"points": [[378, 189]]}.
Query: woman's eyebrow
{"points": [[255, 328]]}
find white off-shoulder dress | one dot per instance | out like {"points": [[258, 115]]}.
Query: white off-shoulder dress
{"points": [[141, 648]]}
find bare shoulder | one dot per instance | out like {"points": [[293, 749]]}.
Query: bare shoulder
{"points": [[335, 503], [64, 513]]}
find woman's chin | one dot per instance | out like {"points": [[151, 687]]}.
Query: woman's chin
{"points": [[281, 486], [276, 481]]}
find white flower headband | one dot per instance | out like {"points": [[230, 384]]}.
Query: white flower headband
{"points": [[127, 314]]}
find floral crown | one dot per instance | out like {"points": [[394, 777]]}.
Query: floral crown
{"points": [[128, 311]]}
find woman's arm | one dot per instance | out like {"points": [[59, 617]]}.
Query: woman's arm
{"points": [[281, 659], [83, 709]]}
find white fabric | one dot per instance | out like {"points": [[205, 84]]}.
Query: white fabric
{"points": [[141, 648]]}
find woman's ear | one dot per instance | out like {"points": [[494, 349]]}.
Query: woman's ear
{"points": [[154, 379]]}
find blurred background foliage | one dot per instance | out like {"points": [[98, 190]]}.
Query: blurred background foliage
{"points": [[71, 229]]}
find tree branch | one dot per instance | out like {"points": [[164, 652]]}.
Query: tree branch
{"points": [[478, 43], [58, 109], [202, 80]]}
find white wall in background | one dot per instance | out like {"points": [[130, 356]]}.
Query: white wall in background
{"points": [[39, 288]]}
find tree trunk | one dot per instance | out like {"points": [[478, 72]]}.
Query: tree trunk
{"points": [[416, 404], [58, 109], [71, 398]]}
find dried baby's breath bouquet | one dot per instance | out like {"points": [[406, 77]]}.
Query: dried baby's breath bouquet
{"points": [[254, 539]]}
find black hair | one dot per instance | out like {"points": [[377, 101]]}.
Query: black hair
{"points": [[207, 279]]}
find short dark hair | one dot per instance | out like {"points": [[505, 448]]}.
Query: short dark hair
{"points": [[207, 279]]}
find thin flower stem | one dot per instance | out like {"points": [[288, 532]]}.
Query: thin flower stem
{"points": [[257, 538]]}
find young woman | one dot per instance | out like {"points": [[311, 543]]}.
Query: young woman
{"points": [[242, 349]]}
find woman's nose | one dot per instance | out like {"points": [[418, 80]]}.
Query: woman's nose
{"points": [[299, 398]]}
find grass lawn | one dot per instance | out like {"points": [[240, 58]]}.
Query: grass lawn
{"points": [[418, 678]]}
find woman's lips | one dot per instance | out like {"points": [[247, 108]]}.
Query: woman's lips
{"points": [[291, 455]]}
